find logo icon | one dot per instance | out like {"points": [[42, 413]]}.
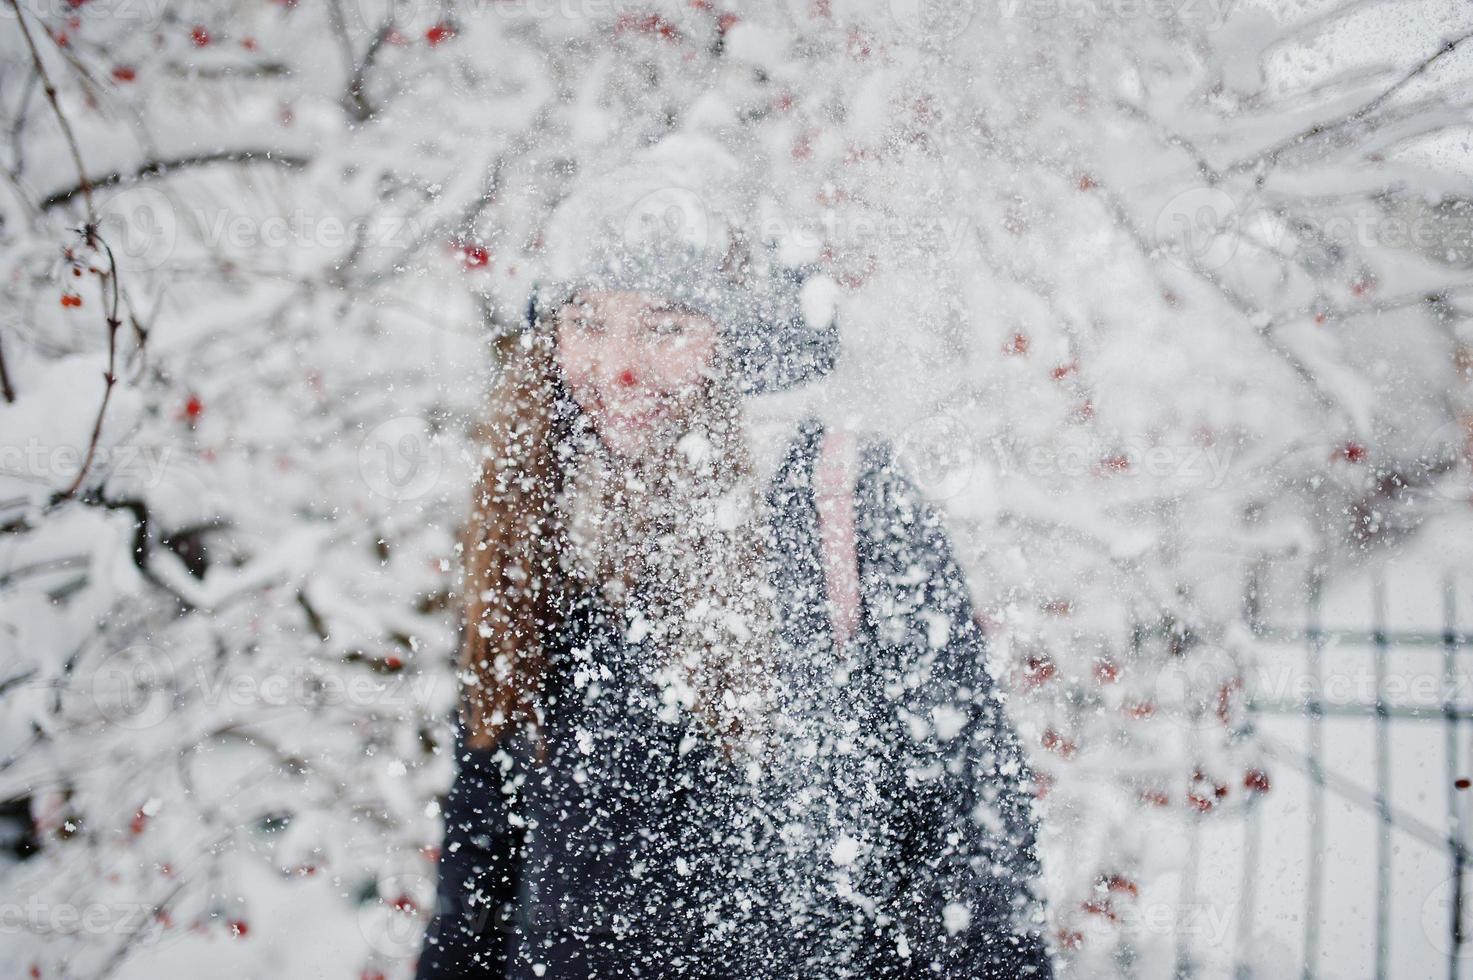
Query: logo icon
{"points": [[141, 226], [133, 688], [1198, 228], [401, 459], [939, 20], [669, 217], [937, 454]]}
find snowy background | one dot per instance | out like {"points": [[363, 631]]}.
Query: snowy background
{"points": [[1166, 302]]}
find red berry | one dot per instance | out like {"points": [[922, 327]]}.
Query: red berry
{"points": [[200, 37], [1119, 883], [648, 24], [1256, 781], [1055, 742], [1042, 783], [1353, 452], [140, 821], [476, 256], [1040, 669], [439, 34], [193, 408], [1018, 345], [238, 928], [124, 73]]}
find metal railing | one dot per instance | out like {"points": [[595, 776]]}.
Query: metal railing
{"points": [[1324, 783]]}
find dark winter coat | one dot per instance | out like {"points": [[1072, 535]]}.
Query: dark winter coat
{"points": [[893, 837]]}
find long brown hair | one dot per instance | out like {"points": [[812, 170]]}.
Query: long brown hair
{"points": [[690, 539]]}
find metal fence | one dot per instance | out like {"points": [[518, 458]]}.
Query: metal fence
{"points": [[1444, 828]]}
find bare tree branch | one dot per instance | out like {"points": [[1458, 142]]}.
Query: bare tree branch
{"points": [[1270, 157], [160, 168], [5, 386], [66, 127], [110, 377]]}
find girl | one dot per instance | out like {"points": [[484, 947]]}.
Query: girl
{"points": [[713, 725]]}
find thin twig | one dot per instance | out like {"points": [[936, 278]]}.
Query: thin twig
{"points": [[357, 101], [159, 168], [5, 386], [110, 377], [1270, 156], [66, 127]]}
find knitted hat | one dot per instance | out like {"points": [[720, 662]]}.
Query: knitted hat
{"points": [[666, 219]]}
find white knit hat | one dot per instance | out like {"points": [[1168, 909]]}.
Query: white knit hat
{"points": [[666, 218]]}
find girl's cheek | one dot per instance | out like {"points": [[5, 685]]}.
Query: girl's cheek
{"points": [[684, 366]]}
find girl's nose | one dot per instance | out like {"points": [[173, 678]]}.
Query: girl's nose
{"points": [[625, 378]]}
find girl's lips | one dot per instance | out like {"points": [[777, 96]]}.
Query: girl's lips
{"points": [[630, 420]]}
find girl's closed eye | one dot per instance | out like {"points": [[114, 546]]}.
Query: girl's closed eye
{"points": [[666, 324], [582, 321]]}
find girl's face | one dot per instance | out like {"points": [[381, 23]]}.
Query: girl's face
{"points": [[633, 363]]}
